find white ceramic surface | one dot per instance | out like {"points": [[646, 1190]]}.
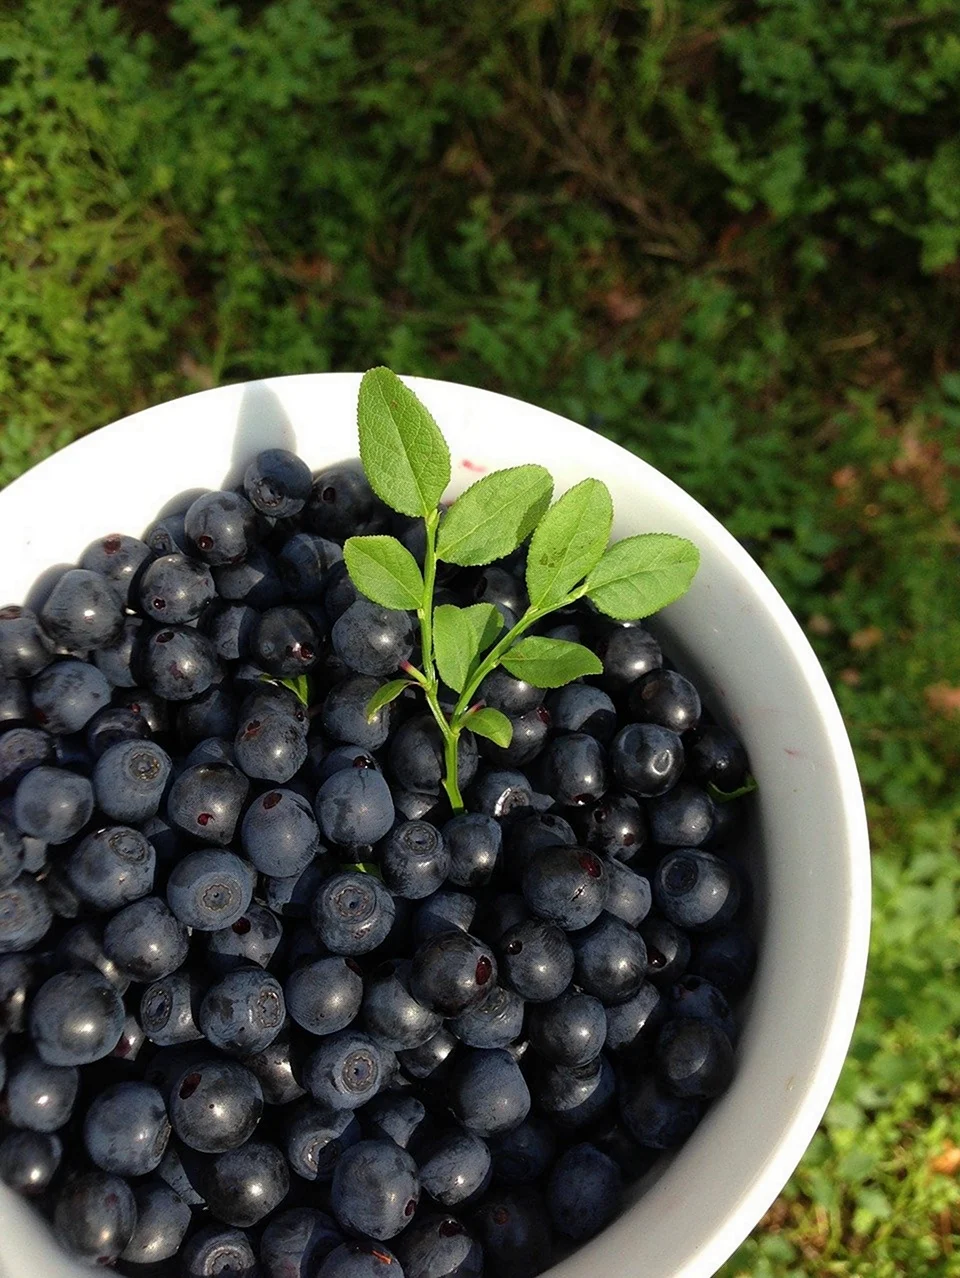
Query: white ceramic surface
{"points": [[732, 631]]}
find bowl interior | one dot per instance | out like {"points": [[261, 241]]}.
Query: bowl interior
{"points": [[731, 632]]}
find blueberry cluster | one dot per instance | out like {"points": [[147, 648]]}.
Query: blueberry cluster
{"points": [[266, 1003]]}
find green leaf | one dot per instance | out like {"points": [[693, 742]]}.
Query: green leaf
{"points": [[550, 663], [385, 571], [640, 575], [363, 867], [404, 455], [494, 515], [490, 723], [568, 542], [727, 796], [459, 636], [298, 685], [383, 696]]}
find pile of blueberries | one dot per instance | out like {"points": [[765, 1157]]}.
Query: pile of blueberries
{"points": [[267, 1006]]}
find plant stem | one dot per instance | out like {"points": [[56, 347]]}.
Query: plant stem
{"points": [[450, 767], [492, 659], [425, 612]]}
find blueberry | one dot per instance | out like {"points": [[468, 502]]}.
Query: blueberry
{"points": [[391, 1012], [82, 612], [75, 1018], [452, 972], [163, 1219], [29, 1160], [180, 1170], [169, 1009], [499, 915], [324, 996], [360, 1260], [179, 663], [346, 1070], [565, 885], [352, 913], [277, 1068], [145, 941], [153, 708], [343, 713], [25, 647], [716, 757], [40, 1097], [395, 1116], [15, 705], [243, 1011], [522, 1155], [82, 947], [214, 1250], [206, 800], [528, 833], [667, 698], [583, 1192], [474, 841], [292, 896], [20, 750], [375, 1189], [305, 562], [243, 1185], [628, 653], [529, 736], [415, 755], [653, 1116], [616, 1142], [126, 1129], [129, 780], [220, 527], [120, 560], [339, 593], [610, 959], [514, 1228], [694, 1058], [11, 853], [455, 1168], [113, 725], [95, 1216], [441, 912], [432, 1061], [316, 1138], [683, 818], [726, 957], [270, 746], [229, 627], [415, 859], [488, 1093], [668, 951], [496, 1022], [215, 1105], [112, 867], [536, 960], [132, 1040], [119, 661], [295, 1243], [372, 640], [277, 483], [509, 695], [339, 501], [630, 896], [210, 889], [437, 1246], [696, 890], [279, 833], [501, 793], [166, 535], [574, 769], [577, 1097], [52, 804], [253, 938], [581, 708], [175, 589], [616, 827], [207, 750], [340, 757], [286, 642], [569, 1030], [646, 759], [20, 976], [632, 1026], [254, 581], [25, 914]]}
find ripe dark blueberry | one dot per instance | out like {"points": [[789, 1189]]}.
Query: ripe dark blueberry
{"points": [[278, 1069], [180, 1170], [474, 842], [616, 1142], [629, 896], [668, 951], [536, 960], [610, 959], [341, 499], [395, 1116], [437, 1246], [372, 640], [514, 1229], [628, 653], [82, 947], [339, 593], [25, 914], [279, 833], [352, 913], [340, 757], [569, 1030], [277, 483], [253, 938], [501, 793], [693, 998], [499, 915], [616, 827], [244, 1185], [179, 663], [305, 563], [82, 612], [20, 976], [646, 759], [132, 1040], [579, 1097], [119, 662], [166, 535], [113, 725], [667, 698], [254, 581], [14, 701], [441, 912], [169, 1009], [270, 746], [243, 1011], [153, 708], [25, 647], [431, 1063], [316, 1138], [293, 895], [694, 1058], [20, 750], [346, 1070], [210, 889], [205, 801], [129, 780], [126, 1129], [522, 1155], [415, 756], [112, 867], [215, 1105], [565, 885], [452, 972], [120, 560], [360, 1260], [343, 714], [67, 695], [163, 1219], [632, 1026], [509, 695], [145, 940], [75, 1018], [726, 957], [29, 1160], [215, 1249], [696, 890], [655, 1117], [502, 589], [530, 732], [536, 830], [716, 757], [175, 589], [574, 770], [229, 627], [324, 996], [375, 1189], [295, 1243], [583, 1192], [488, 1093], [286, 642], [94, 1217], [40, 1097], [415, 859], [579, 707], [496, 1022], [11, 853], [390, 1011], [220, 527]]}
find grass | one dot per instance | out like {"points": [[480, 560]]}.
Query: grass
{"points": [[724, 233]]}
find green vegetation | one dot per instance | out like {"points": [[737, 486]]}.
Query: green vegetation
{"points": [[725, 233]]}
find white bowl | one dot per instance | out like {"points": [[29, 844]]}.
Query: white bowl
{"points": [[732, 632]]}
